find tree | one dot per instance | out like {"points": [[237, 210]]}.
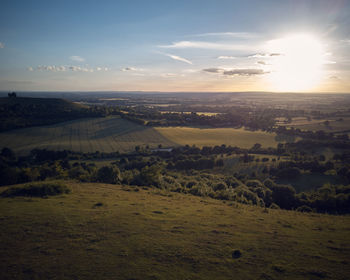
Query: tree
{"points": [[107, 174], [8, 153], [150, 176], [284, 196]]}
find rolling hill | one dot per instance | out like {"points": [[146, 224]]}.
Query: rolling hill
{"points": [[102, 231]]}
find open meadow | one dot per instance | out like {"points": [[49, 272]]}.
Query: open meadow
{"points": [[102, 231]]}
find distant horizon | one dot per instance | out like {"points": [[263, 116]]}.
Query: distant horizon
{"points": [[163, 92]]}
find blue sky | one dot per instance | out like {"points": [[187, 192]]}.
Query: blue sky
{"points": [[174, 45]]}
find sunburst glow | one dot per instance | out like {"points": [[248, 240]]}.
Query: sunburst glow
{"points": [[296, 63]]}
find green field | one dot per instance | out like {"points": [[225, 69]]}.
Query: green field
{"points": [[102, 231], [115, 134], [218, 136]]}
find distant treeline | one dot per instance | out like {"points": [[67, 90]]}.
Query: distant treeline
{"points": [[19, 112]]}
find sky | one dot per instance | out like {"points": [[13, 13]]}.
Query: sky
{"points": [[206, 45]]}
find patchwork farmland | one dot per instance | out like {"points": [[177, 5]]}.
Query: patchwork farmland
{"points": [[116, 134]]}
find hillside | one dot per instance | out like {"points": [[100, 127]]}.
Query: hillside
{"points": [[18, 112], [108, 134], [113, 133], [104, 231]]}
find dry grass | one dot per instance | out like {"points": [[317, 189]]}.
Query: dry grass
{"points": [[104, 231]]}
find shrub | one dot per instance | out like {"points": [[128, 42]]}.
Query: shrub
{"points": [[37, 190], [220, 186], [304, 208], [253, 183], [274, 206]]}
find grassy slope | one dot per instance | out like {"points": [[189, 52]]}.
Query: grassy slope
{"points": [[155, 235], [84, 135], [218, 136]]}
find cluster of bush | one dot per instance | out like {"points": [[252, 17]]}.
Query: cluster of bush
{"points": [[186, 173]]}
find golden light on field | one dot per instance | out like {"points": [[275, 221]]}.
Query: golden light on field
{"points": [[296, 62]]}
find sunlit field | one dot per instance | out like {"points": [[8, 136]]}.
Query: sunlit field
{"points": [[218, 136]]}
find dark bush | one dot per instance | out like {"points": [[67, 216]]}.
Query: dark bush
{"points": [[236, 254]]}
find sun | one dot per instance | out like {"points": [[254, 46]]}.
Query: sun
{"points": [[296, 62]]}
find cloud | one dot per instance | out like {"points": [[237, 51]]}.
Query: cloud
{"points": [[345, 41], [262, 62], [213, 70], [77, 58], [226, 57], [2, 45], [175, 57], [263, 55], [204, 45], [102, 69], [80, 69], [242, 35], [126, 69], [238, 72], [52, 68], [62, 68], [244, 72], [168, 75]]}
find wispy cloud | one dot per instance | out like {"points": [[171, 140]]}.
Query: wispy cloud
{"points": [[126, 69], [264, 55], [80, 69], [244, 72], [240, 35], [52, 68], [102, 69], [62, 68], [213, 70], [226, 57], [204, 45], [236, 72], [179, 58], [77, 58], [2, 45], [168, 75]]}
